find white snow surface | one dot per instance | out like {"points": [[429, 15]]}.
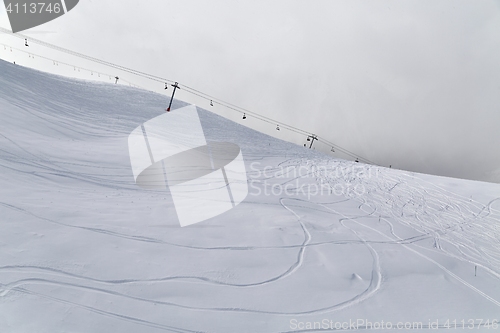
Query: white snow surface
{"points": [[84, 249]]}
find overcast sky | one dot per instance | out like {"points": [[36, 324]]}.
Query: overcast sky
{"points": [[413, 83]]}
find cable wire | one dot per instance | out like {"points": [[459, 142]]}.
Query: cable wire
{"points": [[187, 89]]}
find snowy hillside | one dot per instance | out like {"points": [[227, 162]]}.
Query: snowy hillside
{"points": [[317, 243]]}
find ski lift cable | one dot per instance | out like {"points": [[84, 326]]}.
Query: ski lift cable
{"points": [[245, 112], [242, 110], [139, 73], [285, 126], [65, 63], [145, 75], [186, 88], [86, 57], [345, 151], [253, 114], [192, 91]]}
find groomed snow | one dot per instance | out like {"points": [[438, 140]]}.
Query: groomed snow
{"points": [[317, 240]]}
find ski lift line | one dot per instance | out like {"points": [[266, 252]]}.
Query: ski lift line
{"points": [[53, 60], [186, 88], [139, 73], [222, 103], [284, 126], [345, 151], [272, 121], [33, 55], [254, 115], [86, 57], [145, 75], [70, 52], [242, 110]]}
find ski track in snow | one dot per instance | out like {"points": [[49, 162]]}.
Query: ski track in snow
{"points": [[374, 283], [454, 223]]}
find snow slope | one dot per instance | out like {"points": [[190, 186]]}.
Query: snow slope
{"points": [[84, 249]]}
